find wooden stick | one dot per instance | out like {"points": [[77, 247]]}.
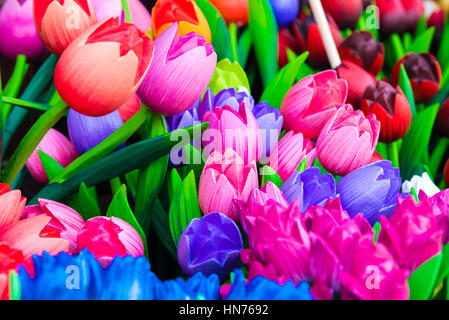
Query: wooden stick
{"points": [[326, 35]]}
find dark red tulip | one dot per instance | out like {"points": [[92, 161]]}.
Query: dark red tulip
{"points": [[286, 40], [424, 72], [367, 3], [437, 19], [362, 49], [346, 13], [442, 120], [358, 81], [309, 39], [399, 16], [391, 108], [446, 173]]}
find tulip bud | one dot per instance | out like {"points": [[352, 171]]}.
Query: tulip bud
{"points": [[226, 97], [348, 141], [290, 152], [60, 22], [285, 11], [130, 108], [107, 238], [362, 49], [371, 190], [185, 13], [87, 132], [391, 108], [55, 145], [235, 11], [19, 34], [210, 245], [398, 16], [311, 102], [225, 177], [346, 13], [181, 69], [419, 183], [310, 187], [96, 84], [65, 222], [358, 81], [270, 124], [309, 39], [266, 195], [424, 73], [234, 130]]}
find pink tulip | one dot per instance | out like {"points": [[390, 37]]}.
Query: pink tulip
{"points": [[290, 152], [371, 273], [59, 22], [312, 101], [180, 72], [412, 233], [261, 197], [225, 177], [234, 130], [65, 221], [55, 145], [140, 15], [348, 141], [107, 238]]}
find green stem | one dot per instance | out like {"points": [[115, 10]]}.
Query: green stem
{"points": [[125, 8], [24, 104], [115, 183], [438, 154], [233, 41], [393, 154], [29, 143], [397, 46]]}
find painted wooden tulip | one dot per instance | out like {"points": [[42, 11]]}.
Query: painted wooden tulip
{"points": [[424, 73], [348, 141], [18, 30], [55, 145], [181, 70], [391, 108], [59, 22], [308, 37], [358, 81], [285, 11], [185, 13], [398, 16], [130, 108], [346, 13], [102, 69], [362, 49], [235, 11]]}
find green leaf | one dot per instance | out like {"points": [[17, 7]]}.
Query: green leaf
{"points": [[244, 47], [264, 34], [444, 267], [161, 226], [422, 43], [25, 104], [120, 208], [51, 167], [116, 164], [227, 75], [150, 178], [415, 143], [269, 174], [377, 227], [443, 51], [303, 165], [421, 27], [284, 80], [397, 46], [106, 146], [184, 207], [15, 288], [174, 183], [194, 161], [438, 155], [29, 143], [86, 202], [422, 281], [131, 181], [404, 83]]}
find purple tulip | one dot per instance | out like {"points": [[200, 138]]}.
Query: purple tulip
{"points": [[372, 190], [310, 187], [18, 30], [87, 132], [210, 245], [180, 121], [268, 119]]}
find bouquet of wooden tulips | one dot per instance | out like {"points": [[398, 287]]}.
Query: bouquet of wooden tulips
{"points": [[224, 149]]}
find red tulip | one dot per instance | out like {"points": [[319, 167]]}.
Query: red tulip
{"points": [[235, 11], [398, 16], [309, 39], [346, 13], [358, 81], [103, 68], [286, 41], [362, 49], [442, 120], [446, 173], [391, 108], [424, 72], [59, 22]]}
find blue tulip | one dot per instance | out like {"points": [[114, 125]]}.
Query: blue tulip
{"points": [[285, 11]]}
